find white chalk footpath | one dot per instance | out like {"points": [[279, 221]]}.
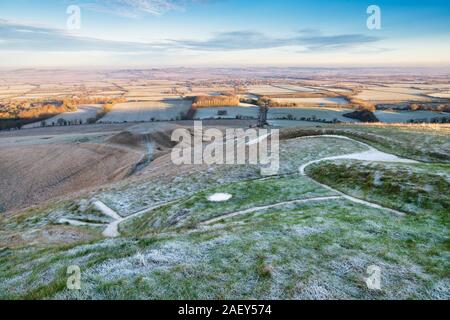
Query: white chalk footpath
{"points": [[372, 154]]}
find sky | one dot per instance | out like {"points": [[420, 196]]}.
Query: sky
{"points": [[157, 33]]}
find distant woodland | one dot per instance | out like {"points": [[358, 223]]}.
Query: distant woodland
{"points": [[32, 109], [17, 113], [216, 101]]}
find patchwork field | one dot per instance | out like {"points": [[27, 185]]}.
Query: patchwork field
{"points": [[442, 95], [83, 113], [406, 116], [312, 101], [271, 89], [230, 113], [382, 94], [163, 110], [299, 113]]}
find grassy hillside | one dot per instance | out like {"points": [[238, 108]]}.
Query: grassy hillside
{"points": [[281, 237], [416, 189], [429, 143]]}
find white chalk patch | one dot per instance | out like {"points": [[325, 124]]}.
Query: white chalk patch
{"points": [[220, 197]]}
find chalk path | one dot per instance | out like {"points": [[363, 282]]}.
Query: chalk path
{"points": [[372, 154]]}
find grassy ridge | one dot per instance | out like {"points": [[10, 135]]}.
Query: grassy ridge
{"points": [[416, 189], [420, 142]]}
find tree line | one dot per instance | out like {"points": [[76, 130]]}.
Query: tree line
{"points": [[38, 108], [215, 101]]}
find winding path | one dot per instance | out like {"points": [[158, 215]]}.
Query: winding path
{"points": [[255, 209], [371, 154], [112, 229]]}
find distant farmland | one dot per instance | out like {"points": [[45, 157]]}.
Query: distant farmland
{"points": [[298, 113], [406, 116], [227, 113], [83, 113], [164, 110], [313, 101]]}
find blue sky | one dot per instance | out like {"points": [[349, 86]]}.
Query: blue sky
{"points": [[147, 33]]}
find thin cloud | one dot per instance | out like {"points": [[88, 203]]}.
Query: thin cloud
{"points": [[19, 37], [137, 8], [309, 39]]}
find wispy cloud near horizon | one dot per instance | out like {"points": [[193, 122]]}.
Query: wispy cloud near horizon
{"points": [[16, 36], [21, 37], [310, 40], [136, 8]]}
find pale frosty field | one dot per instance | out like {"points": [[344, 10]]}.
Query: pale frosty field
{"points": [[16, 88], [405, 116], [391, 94], [48, 95], [248, 96], [328, 114], [232, 113], [84, 113], [435, 86], [322, 101], [152, 97], [268, 89], [146, 111], [441, 95], [294, 87]]}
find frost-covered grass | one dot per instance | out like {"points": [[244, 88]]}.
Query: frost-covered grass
{"points": [[423, 143], [296, 152], [44, 226], [248, 194], [416, 142], [130, 197], [413, 188], [309, 251], [51, 215], [315, 250]]}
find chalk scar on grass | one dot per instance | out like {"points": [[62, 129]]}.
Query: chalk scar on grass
{"points": [[219, 197]]}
